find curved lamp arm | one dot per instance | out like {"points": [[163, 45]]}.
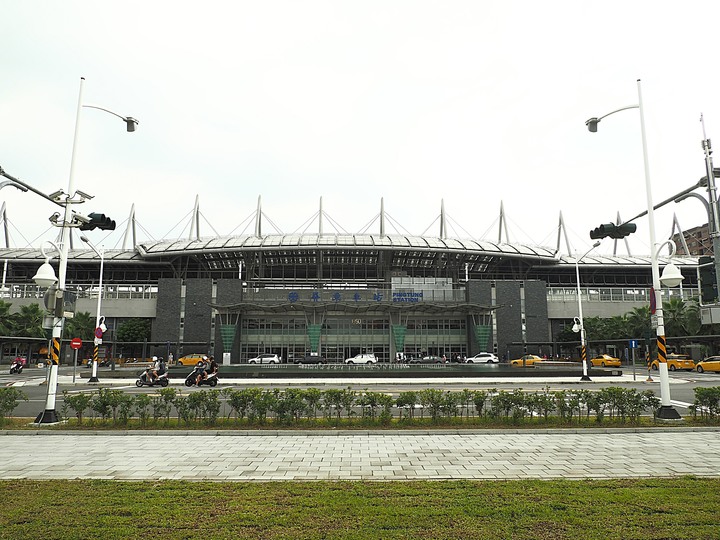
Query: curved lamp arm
{"points": [[13, 184], [592, 123], [129, 120], [671, 245], [44, 253]]}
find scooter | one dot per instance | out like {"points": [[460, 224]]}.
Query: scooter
{"points": [[144, 380], [210, 380], [16, 367]]}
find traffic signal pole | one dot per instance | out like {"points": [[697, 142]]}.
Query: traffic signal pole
{"points": [[714, 213], [666, 410]]}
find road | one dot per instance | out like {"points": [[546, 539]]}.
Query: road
{"points": [[682, 387]]}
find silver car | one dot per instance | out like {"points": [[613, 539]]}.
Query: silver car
{"points": [[266, 358], [362, 359], [483, 358]]}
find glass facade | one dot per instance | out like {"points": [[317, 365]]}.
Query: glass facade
{"points": [[345, 336]]}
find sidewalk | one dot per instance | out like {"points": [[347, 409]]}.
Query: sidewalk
{"points": [[360, 455]]}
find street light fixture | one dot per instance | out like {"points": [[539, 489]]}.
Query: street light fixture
{"points": [[45, 276], [98, 318], [49, 415], [579, 326], [666, 411]]}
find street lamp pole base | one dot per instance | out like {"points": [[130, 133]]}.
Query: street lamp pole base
{"points": [[48, 416], [93, 379], [585, 378], [667, 412]]}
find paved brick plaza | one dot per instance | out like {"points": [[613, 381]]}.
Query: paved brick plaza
{"points": [[366, 455]]}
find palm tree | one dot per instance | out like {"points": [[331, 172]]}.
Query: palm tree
{"points": [[29, 321], [638, 322], [80, 326], [675, 317], [6, 319]]}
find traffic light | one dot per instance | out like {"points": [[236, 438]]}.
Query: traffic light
{"points": [[708, 279], [98, 221], [613, 231]]}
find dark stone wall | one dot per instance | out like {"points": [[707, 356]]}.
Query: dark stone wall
{"points": [[509, 319], [198, 313], [509, 316], [536, 315], [166, 326]]}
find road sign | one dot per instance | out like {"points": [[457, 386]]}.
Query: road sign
{"points": [[76, 343], [633, 343], [98, 332]]}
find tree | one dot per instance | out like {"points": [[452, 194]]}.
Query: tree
{"points": [[675, 317], [80, 326], [134, 331], [6, 319], [638, 322], [29, 320]]}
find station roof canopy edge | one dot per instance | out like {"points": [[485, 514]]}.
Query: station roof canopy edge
{"points": [[419, 308]]}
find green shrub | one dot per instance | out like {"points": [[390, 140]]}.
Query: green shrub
{"points": [[78, 403], [9, 398]]}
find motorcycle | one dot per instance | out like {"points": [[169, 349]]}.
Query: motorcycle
{"points": [[144, 379], [210, 380], [16, 367]]}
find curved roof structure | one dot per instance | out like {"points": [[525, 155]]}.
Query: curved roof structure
{"points": [[342, 241]]}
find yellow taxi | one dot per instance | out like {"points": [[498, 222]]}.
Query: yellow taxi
{"points": [[526, 360], [675, 362], [605, 360], [191, 359], [711, 363]]}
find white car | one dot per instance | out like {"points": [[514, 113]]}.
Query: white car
{"points": [[265, 359], [483, 358], [362, 359]]}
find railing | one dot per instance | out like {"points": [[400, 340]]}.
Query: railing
{"points": [[615, 294], [110, 292], [554, 294]]}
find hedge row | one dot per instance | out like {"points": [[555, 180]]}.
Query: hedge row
{"points": [[292, 407], [308, 407]]}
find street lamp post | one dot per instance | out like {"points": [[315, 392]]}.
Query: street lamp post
{"points": [[666, 410], [579, 324], [69, 220], [98, 321]]}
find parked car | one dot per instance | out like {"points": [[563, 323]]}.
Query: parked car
{"points": [[526, 360], [605, 360], [483, 358], [265, 358], [310, 359], [711, 363], [362, 359], [426, 360], [675, 362], [191, 359]]}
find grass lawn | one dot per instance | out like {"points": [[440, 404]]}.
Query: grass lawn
{"points": [[616, 509]]}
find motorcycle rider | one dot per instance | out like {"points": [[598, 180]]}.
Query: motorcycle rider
{"points": [[201, 368], [212, 366], [157, 369]]}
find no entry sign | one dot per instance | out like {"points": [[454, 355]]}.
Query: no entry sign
{"points": [[76, 343]]}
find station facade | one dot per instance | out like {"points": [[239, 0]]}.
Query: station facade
{"points": [[340, 295]]}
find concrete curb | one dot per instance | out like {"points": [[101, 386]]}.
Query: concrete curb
{"points": [[50, 430]]}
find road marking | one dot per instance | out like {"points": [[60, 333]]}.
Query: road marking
{"points": [[680, 403]]}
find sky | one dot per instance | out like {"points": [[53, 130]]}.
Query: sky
{"points": [[466, 105]]}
